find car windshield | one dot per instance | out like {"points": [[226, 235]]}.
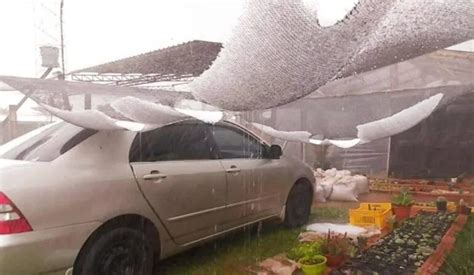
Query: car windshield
{"points": [[46, 143]]}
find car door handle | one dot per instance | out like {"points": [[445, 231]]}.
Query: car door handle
{"points": [[154, 175], [233, 169]]}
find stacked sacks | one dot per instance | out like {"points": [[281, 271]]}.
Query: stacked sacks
{"points": [[339, 185]]}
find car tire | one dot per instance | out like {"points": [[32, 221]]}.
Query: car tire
{"points": [[298, 204], [118, 251]]}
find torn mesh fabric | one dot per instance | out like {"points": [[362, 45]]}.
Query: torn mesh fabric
{"points": [[279, 53], [367, 132]]}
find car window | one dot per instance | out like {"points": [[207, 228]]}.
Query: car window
{"points": [[235, 143], [182, 141], [48, 144]]}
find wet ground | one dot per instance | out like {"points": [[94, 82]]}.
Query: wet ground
{"points": [[233, 253]]}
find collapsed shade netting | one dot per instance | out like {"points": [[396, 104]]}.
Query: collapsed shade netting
{"points": [[367, 132], [440, 145], [113, 108], [279, 52]]}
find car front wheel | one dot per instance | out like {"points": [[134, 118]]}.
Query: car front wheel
{"points": [[119, 251], [298, 204]]}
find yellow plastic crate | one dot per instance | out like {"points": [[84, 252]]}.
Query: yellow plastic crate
{"points": [[371, 214]]}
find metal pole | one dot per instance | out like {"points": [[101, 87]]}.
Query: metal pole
{"points": [[63, 68], [67, 105], [388, 156]]}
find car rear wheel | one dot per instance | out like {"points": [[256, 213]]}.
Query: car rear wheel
{"points": [[298, 204], [119, 251]]}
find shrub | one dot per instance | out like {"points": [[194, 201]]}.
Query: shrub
{"points": [[338, 245], [304, 250]]}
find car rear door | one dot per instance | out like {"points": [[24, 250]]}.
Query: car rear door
{"points": [[182, 179], [254, 183]]}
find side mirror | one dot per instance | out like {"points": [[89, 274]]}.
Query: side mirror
{"points": [[275, 152]]}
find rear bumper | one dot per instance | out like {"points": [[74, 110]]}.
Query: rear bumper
{"points": [[43, 251]]}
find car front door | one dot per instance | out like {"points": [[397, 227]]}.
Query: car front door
{"points": [[181, 178], [253, 181]]}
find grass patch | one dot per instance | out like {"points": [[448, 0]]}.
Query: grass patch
{"points": [[237, 251], [325, 214], [232, 254], [461, 260]]}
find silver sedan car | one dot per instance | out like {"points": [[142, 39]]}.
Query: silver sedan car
{"points": [[80, 201]]}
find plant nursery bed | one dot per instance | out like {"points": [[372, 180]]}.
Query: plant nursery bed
{"points": [[427, 194], [405, 249], [439, 187], [422, 182], [430, 197]]}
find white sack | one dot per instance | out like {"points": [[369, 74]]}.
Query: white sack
{"points": [[343, 172], [331, 172], [328, 181], [319, 194], [362, 184], [343, 192], [327, 190], [346, 180]]}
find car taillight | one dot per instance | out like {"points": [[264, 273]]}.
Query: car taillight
{"points": [[11, 219]]}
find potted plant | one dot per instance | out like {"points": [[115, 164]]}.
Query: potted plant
{"points": [[313, 265], [305, 250], [336, 248], [441, 204], [401, 205]]}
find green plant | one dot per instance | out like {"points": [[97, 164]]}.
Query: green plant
{"points": [[403, 199], [304, 250], [460, 260], [417, 220], [338, 245]]}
